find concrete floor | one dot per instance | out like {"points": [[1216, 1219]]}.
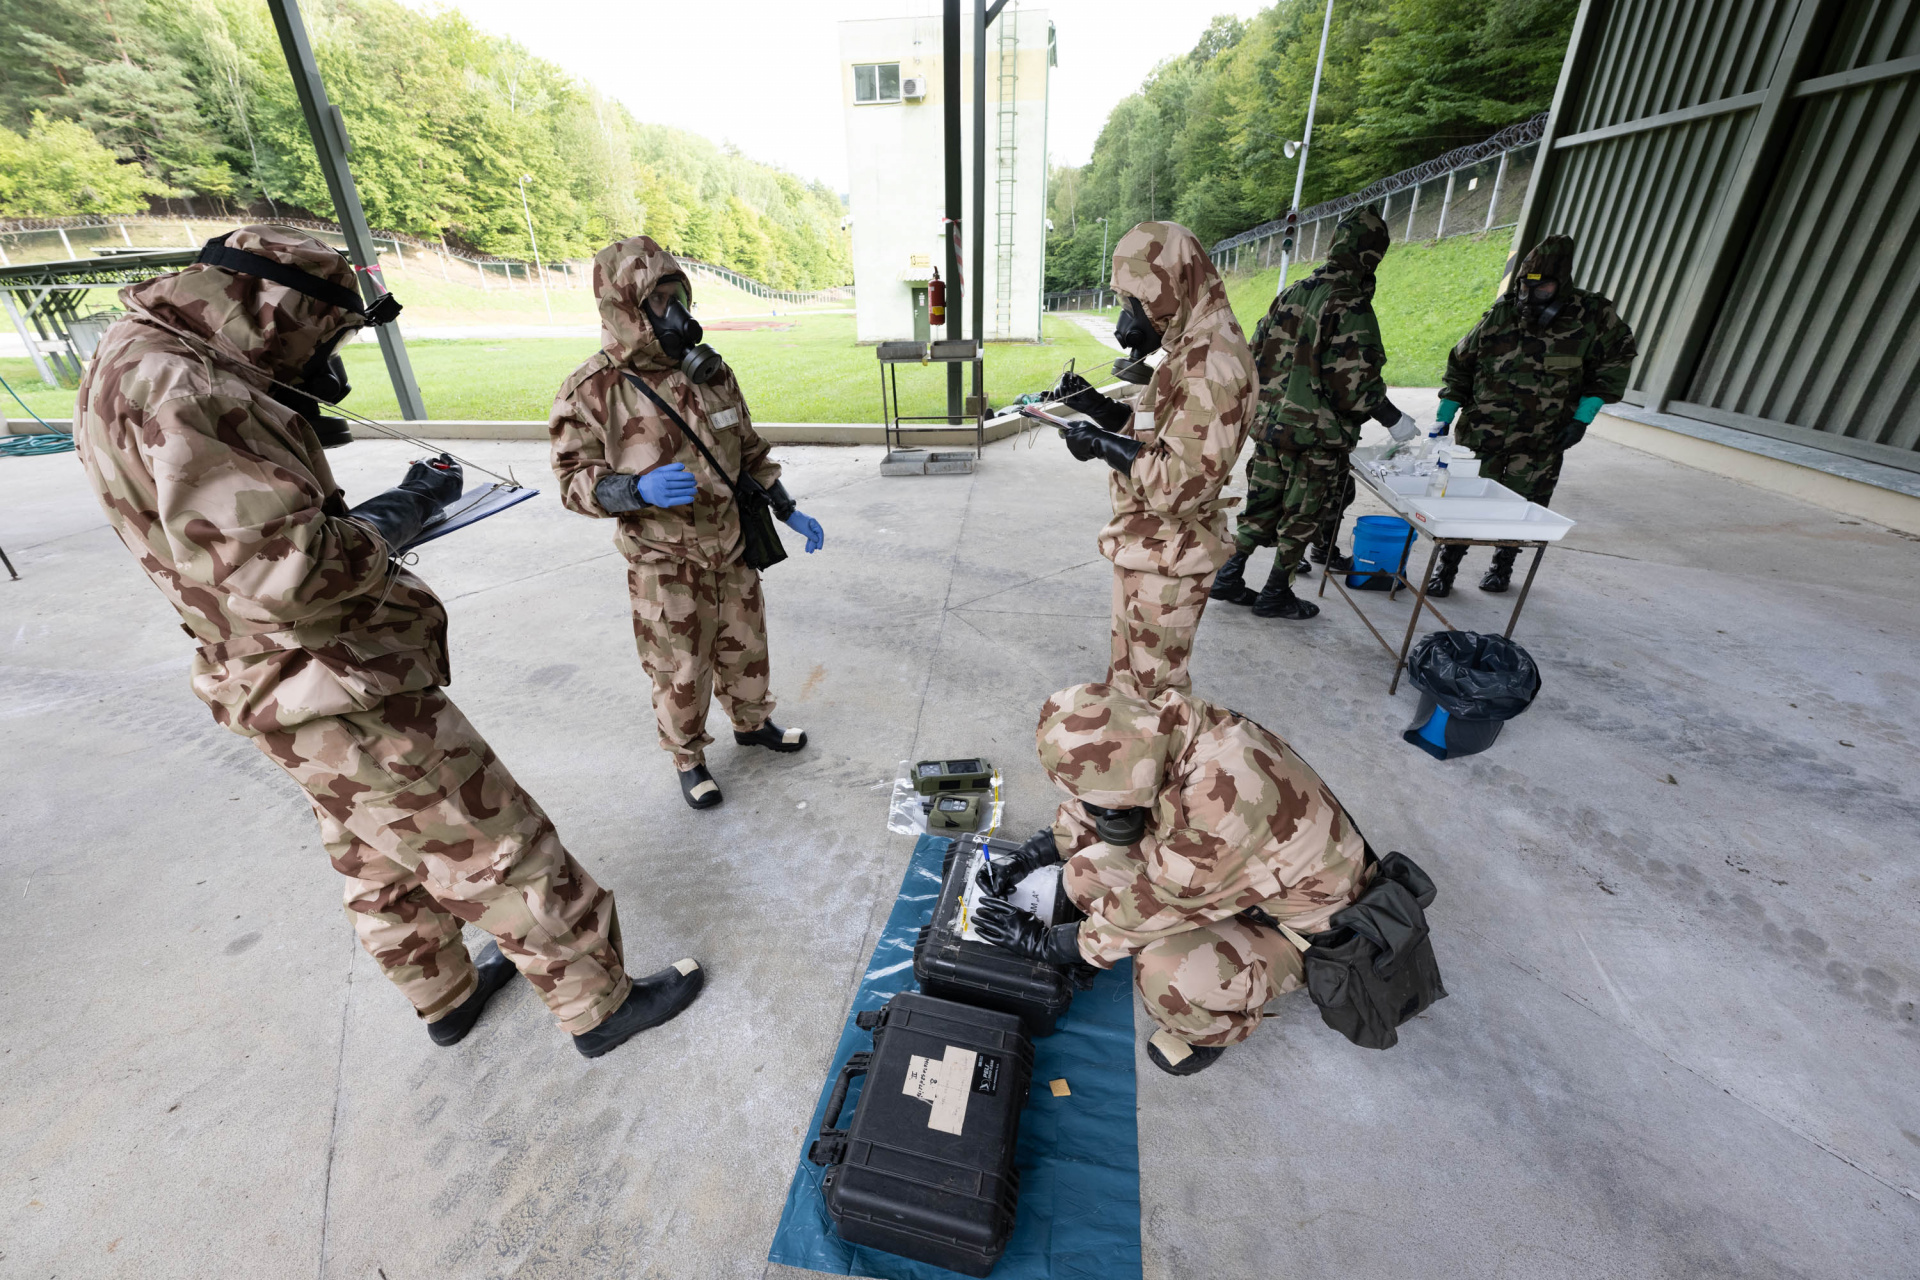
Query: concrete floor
{"points": [[1677, 910]]}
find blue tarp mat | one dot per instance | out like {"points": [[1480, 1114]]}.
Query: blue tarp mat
{"points": [[1079, 1156]]}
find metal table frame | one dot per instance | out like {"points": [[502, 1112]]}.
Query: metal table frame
{"points": [[953, 351]]}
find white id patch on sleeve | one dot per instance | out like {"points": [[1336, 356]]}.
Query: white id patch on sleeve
{"points": [[724, 419], [1142, 421], [946, 1083]]}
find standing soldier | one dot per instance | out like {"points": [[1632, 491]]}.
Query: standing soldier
{"points": [[1189, 830], [1171, 452], [1319, 357], [698, 617], [1531, 375], [327, 654]]}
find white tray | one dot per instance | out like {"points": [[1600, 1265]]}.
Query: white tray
{"points": [[1437, 518]]}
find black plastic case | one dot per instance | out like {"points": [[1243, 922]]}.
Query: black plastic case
{"points": [[954, 968], [925, 1169]]}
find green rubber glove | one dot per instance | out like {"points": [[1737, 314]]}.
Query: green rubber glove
{"points": [[1447, 409], [1585, 410]]}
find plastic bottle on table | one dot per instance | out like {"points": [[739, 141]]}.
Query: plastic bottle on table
{"points": [[1437, 482]]}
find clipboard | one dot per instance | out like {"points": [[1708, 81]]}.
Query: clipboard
{"points": [[1041, 415], [470, 508]]}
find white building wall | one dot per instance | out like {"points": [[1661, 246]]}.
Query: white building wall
{"points": [[897, 177]]}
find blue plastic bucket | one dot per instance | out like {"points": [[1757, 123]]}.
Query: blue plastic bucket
{"points": [[1380, 546]]}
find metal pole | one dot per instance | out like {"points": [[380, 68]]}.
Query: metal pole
{"points": [[1106, 264], [1446, 203], [1413, 207], [33, 346], [979, 191], [950, 229], [525, 178], [331, 148], [1306, 140], [1493, 201]]}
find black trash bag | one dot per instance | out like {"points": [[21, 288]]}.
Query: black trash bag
{"points": [[1374, 968], [1474, 676]]}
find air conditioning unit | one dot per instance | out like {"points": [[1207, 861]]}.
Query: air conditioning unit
{"points": [[913, 88]]}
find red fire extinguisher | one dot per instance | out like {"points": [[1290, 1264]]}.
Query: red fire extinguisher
{"points": [[936, 299]]}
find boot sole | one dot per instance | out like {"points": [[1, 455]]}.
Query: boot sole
{"points": [[491, 987], [784, 748], [1241, 596], [1290, 615], [699, 984]]}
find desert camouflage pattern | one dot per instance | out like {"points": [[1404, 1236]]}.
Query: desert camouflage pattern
{"points": [[1237, 820], [1518, 383], [602, 424], [1294, 500], [432, 832], [1155, 618], [700, 630], [225, 498], [1318, 352], [1192, 416]]}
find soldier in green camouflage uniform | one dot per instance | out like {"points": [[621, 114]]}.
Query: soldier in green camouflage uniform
{"points": [[699, 620], [1319, 357], [1189, 830], [1544, 359], [329, 656]]}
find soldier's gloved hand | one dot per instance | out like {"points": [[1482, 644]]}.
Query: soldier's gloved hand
{"points": [[1576, 432], [1087, 442], [802, 523], [1004, 925], [399, 514], [1584, 412], [1405, 429], [1447, 409], [669, 486], [439, 480], [1078, 395], [1003, 871]]}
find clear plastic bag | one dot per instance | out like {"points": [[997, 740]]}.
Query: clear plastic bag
{"points": [[907, 808]]}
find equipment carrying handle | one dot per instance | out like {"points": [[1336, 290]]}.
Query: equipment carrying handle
{"points": [[832, 1142]]}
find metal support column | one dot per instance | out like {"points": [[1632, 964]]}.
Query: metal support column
{"points": [[977, 330], [32, 344], [332, 147], [950, 232]]}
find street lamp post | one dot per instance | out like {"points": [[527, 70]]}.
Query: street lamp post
{"points": [[1306, 140], [1106, 267], [525, 178]]}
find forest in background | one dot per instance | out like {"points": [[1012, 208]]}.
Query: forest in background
{"points": [[106, 105], [1202, 142]]}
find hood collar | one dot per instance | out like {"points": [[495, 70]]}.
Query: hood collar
{"points": [[1360, 241], [1165, 266], [1106, 744], [624, 274]]}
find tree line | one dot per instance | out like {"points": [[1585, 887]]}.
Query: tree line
{"points": [[1203, 141], [107, 105]]}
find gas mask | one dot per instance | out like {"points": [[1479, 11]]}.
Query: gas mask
{"points": [[1117, 826], [1136, 333], [1542, 302], [679, 336], [323, 378]]}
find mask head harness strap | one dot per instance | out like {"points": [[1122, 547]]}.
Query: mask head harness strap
{"points": [[216, 253]]}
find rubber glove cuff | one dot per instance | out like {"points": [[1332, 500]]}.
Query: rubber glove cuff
{"points": [[1587, 408], [1447, 409]]}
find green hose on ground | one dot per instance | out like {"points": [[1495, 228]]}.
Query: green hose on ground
{"points": [[32, 446]]}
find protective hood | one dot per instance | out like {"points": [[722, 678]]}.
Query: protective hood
{"points": [[1165, 266], [1107, 745], [1551, 259], [625, 273], [1360, 240], [271, 327]]}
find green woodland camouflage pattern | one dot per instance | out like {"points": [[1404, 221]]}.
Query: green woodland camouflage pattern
{"points": [[1155, 618], [697, 630], [1318, 351], [1517, 384], [315, 646], [1531, 473], [1192, 416], [432, 832], [602, 424], [1237, 820], [1294, 500]]}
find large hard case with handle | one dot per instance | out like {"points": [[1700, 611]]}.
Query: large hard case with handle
{"points": [[925, 1168], [954, 967]]}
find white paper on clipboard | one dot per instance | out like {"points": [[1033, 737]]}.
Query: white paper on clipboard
{"points": [[470, 508], [1041, 415]]}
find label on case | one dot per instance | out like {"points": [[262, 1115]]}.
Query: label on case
{"points": [[944, 1082], [986, 1076]]}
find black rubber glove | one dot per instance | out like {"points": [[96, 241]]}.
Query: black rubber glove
{"points": [[781, 501], [1089, 442], [617, 494], [1003, 871], [439, 480], [1387, 413], [399, 514], [1576, 432], [1003, 925], [1078, 394]]}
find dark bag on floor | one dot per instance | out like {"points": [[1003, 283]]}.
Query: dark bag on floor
{"points": [[925, 1168], [1373, 967], [760, 543]]}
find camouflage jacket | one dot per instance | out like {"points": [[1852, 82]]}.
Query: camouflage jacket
{"points": [[1517, 382], [1192, 417], [223, 495], [601, 423], [1318, 350], [1238, 820]]}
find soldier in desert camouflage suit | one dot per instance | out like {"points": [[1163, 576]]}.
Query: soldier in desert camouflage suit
{"points": [[328, 655], [1319, 358], [1544, 359], [1187, 821], [698, 617], [1171, 453]]}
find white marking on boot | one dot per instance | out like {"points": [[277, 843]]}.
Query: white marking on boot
{"points": [[793, 735], [701, 792], [686, 966], [1171, 1047]]}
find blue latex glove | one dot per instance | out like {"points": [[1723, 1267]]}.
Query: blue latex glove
{"points": [[1588, 406], [1447, 409], [802, 523], [669, 486]]}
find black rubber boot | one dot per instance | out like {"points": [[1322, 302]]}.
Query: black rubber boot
{"points": [[1230, 584], [1331, 556], [655, 999], [494, 971], [1175, 1063], [698, 786], [1441, 583], [1278, 601], [773, 737], [1500, 577]]}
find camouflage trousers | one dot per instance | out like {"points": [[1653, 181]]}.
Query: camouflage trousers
{"points": [[699, 630], [432, 832], [1155, 617], [1204, 981], [1530, 472], [1294, 501]]}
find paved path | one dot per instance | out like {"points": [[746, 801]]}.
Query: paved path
{"points": [[1099, 326]]}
